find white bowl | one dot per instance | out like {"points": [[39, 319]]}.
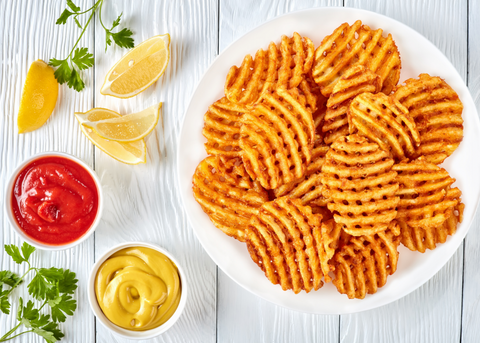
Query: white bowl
{"points": [[13, 220], [130, 334]]}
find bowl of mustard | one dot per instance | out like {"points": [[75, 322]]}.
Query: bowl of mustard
{"points": [[137, 290]]}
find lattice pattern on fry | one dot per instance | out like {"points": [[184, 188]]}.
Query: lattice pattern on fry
{"points": [[356, 44], [355, 81], [437, 111], [297, 54], [360, 184], [226, 193], [244, 85], [330, 241], [282, 66], [426, 204], [363, 265], [222, 128], [281, 241], [276, 139], [386, 122]]}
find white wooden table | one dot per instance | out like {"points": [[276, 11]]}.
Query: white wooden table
{"points": [[142, 202]]}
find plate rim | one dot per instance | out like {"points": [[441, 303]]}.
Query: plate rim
{"points": [[397, 296]]}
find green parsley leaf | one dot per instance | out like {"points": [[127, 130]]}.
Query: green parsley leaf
{"points": [[75, 81], [78, 23], [83, 59], [27, 250], [108, 39], [66, 305], [29, 312], [4, 303], [123, 38], [69, 283], [8, 278], [63, 73], [73, 6], [51, 274], [49, 332], [64, 17], [38, 287], [14, 252], [20, 309], [117, 21]]}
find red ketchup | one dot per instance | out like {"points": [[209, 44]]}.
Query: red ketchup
{"points": [[54, 200]]}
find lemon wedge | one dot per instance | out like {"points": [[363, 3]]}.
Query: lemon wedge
{"points": [[38, 97], [130, 153], [138, 69], [127, 128]]}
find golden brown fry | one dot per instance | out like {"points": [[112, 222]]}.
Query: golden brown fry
{"points": [[276, 139], [222, 128], [360, 184], [227, 194], [427, 207], [356, 80], [330, 241], [437, 111], [363, 264], [281, 241], [356, 44], [282, 66], [386, 122]]}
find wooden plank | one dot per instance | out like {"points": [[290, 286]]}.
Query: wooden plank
{"points": [[242, 316], [27, 33], [471, 291], [142, 203], [433, 312]]}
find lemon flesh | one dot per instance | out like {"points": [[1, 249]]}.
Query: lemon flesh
{"points": [[38, 97], [127, 128], [139, 68], [129, 153]]}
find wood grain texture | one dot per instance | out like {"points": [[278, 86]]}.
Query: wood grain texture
{"points": [[142, 203], [471, 289], [433, 312], [27, 33], [242, 316]]}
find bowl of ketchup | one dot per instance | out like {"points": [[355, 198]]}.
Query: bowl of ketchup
{"points": [[54, 201]]}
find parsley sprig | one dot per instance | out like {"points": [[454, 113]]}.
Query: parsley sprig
{"points": [[78, 59], [51, 286]]}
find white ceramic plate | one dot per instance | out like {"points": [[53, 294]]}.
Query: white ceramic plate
{"points": [[418, 56]]}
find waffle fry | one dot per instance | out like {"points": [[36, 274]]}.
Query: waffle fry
{"points": [[222, 128], [386, 122], [352, 45], [437, 111], [355, 81], [297, 55], [363, 265], [330, 241], [360, 184], [226, 193], [276, 139], [282, 66], [281, 241], [426, 211]]}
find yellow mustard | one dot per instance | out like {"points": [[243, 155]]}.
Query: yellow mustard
{"points": [[138, 288]]}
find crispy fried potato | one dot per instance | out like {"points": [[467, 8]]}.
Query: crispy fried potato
{"points": [[282, 242], [386, 122], [437, 111], [297, 55], [429, 209], [356, 44], [330, 241], [226, 193], [282, 66], [222, 128], [359, 182], [364, 263], [355, 81], [276, 139]]}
